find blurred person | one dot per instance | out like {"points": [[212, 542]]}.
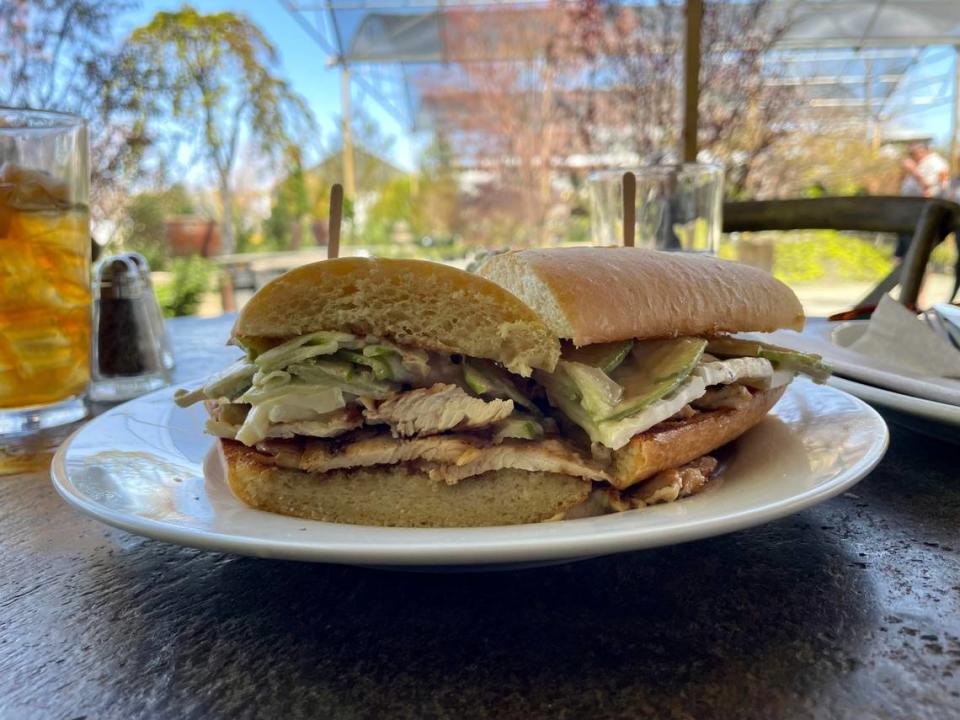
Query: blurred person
{"points": [[924, 173]]}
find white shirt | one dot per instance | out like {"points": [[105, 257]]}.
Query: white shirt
{"points": [[931, 169]]}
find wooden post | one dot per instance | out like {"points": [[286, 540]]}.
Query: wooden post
{"points": [[629, 208], [228, 298], [333, 227], [691, 79]]}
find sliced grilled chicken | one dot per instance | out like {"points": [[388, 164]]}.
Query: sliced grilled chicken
{"points": [[448, 457], [428, 411], [382, 449], [543, 456]]}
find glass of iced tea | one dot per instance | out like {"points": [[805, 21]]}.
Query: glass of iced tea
{"points": [[44, 270]]}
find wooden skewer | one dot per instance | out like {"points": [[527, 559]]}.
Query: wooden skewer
{"points": [[629, 208], [333, 222]]}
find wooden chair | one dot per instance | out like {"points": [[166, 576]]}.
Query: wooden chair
{"points": [[929, 221]]}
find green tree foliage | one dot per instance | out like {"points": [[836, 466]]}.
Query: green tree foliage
{"points": [[302, 197], [438, 190], [424, 205], [61, 55], [143, 228], [394, 210], [216, 79], [294, 198]]}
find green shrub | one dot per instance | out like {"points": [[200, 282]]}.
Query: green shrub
{"points": [[944, 255], [831, 255], [727, 250], [185, 291], [822, 255], [577, 230]]}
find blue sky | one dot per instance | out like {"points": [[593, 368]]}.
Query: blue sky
{"points": [[930, 82]]}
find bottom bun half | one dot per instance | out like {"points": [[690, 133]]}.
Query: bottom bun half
{"points": [[393, 495]]}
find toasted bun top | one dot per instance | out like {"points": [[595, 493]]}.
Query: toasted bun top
{"points": [[601, 294], [412, 302]]}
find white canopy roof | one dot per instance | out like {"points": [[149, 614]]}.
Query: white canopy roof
{"points": [[834, 42], [869, 23], [411, 30]]}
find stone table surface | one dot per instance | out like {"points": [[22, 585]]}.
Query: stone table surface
{"points": [[850, 610]]}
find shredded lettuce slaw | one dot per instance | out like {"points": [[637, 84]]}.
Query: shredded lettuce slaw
{"points": [[308, 377]]}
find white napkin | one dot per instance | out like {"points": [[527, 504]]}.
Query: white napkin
{"points": [[898, 337], [817, 338]]}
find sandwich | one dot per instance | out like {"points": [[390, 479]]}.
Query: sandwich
{"points": [[650, 372], [552, 384]]}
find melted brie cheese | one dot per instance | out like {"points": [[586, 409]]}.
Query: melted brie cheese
{"points": [[617, 433], [730, 371], [753, 371]]}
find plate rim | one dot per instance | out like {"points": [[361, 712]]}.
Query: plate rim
{"points": [[460, 549], [821, 331], [924, 408]]}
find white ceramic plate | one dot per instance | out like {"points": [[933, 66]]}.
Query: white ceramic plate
{"points": [[831, 341], [919, 414], [139, 467]]}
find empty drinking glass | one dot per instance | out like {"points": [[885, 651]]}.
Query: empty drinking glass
{"points": [[678, 207]]}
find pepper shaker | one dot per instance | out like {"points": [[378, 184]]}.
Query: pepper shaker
{"points": [[128, 350], [159, 329]]}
